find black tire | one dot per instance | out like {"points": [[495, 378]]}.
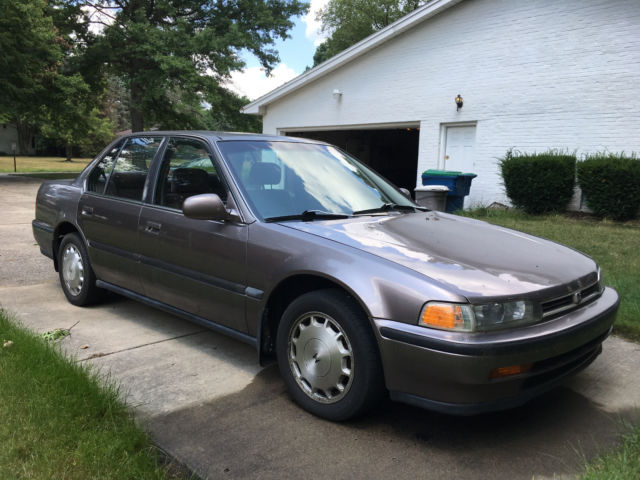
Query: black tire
{"points": [[340, 339], [80, 289]]}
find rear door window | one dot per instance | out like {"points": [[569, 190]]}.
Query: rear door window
{"points": [[129, 174]]}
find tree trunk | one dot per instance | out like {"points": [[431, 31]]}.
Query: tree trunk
{"points": [[25, 137], [137, 120], [68, 152]]}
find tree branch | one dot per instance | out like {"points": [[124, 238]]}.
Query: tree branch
{"points": [[101, 9]]}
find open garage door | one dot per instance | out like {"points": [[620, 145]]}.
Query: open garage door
{"points": [[391, 152]]}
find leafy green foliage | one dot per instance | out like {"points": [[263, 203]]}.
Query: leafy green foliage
{"points": [[611, 184], [115, 103], [539, 182], [349, 21], [224, 114], [75, 120], [153, 63], [173, 55], [56, 334], [38, 75], [30, 56]]}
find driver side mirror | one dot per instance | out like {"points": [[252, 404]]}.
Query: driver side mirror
{"points": [[405, 192], [206, 206]]}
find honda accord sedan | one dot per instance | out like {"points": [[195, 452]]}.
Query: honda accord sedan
{"points": [[295, 247]]}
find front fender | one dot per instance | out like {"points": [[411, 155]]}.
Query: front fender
{"points": [[385, 289]]}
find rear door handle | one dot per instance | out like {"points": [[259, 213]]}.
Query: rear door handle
{"points": [[87, 211], [153, 228]]}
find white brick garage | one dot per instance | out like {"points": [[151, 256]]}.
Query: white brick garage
{"points": [[533, 74]]}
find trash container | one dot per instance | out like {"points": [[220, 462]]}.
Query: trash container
{"points": [[433, 197], [459, 185]]}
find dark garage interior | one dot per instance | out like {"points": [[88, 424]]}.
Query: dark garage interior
{"points": [[391, 152]]}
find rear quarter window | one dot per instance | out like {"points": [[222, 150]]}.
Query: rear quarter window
{"points": [[98, 177]]}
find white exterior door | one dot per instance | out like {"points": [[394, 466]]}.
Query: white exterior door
{"points": [[460, 145]]}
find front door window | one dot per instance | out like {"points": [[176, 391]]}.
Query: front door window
{"points": [[187, 169]]}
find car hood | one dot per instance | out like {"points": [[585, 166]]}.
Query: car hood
{"points": [[469, 257]]}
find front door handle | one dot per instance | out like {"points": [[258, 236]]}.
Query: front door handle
{"points": [[87, 211], [153, 228]]}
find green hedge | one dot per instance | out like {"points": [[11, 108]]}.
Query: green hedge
{"points": [[611, 184], [539, 182]]}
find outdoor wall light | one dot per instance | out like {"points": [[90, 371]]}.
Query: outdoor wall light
{"points": [[459, 102], [337, 94]]}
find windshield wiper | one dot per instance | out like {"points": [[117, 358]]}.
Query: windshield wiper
{"points": [[387, 207], [308, 215]]}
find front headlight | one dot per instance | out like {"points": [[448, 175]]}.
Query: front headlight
{"points": [[473, 318], [508, 314]]}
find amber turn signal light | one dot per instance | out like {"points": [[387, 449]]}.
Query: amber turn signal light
{"points": [[510, 371], [442, 316], [447, 316]]}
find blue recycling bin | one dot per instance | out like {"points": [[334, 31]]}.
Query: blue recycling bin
{"points": [[459, 185]]}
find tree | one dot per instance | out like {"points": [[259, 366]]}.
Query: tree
{"points": [[31, 53], [225, 115], [36, 71], [172, 55], [75, 120], [115, 103], [349, 21]]}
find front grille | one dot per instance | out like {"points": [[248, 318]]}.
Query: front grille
{"points": [[577, 363], [549, 369], [566, 303]]}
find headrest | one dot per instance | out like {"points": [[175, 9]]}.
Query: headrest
{"points": [[264, 173], [190, 175]]}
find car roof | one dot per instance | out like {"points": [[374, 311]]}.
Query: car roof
{"points": [[227, 136]]}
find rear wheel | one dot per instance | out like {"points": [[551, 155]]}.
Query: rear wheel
{"points": [[328, 355], [76, 276]]}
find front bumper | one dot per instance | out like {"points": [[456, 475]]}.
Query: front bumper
{"points": [[450, 371]]}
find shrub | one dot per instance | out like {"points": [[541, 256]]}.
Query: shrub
{"points": [[539, 182], [611, 184]]}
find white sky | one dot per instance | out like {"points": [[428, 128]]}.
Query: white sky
{"points": [[253, 83], [313, 26]]}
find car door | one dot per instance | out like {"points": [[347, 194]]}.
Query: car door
{"points": [[109, 210], [197, 266]]}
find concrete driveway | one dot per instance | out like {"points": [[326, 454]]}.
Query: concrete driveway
{"points": [[205, 400]]}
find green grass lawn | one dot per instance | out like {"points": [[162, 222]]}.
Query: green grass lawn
{"points": [[621, 464], [615, 246], [42, 164], [58, 420]]}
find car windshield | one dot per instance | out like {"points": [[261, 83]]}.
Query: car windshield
{"points": [[292, 179]]}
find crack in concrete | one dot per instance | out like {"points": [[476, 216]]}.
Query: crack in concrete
{"points": [[100, 355]]}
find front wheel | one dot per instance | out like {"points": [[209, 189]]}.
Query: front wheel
{"points": [[328, 355], [76, 276]]}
